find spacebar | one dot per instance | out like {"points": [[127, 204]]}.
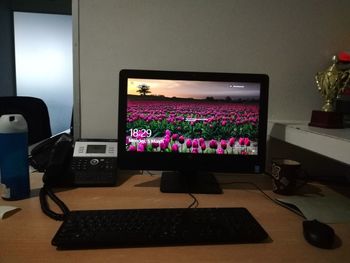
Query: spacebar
{"points": [[120, 239], [135, 238]]}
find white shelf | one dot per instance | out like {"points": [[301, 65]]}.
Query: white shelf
{"points": [[333, 143]]}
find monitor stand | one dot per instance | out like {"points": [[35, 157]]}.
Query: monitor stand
{"points": [[189, 182]]}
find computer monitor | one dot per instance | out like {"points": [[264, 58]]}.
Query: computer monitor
{"points": [[189, 124]]}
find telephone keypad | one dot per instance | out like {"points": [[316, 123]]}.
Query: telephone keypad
{"points": [[94, 171]]}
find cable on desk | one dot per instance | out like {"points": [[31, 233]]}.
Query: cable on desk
{"points": [[44, 192], [195, 202], [294, 210], [148, 172]]}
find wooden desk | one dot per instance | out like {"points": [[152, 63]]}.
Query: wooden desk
{"points": [[26, 235]]}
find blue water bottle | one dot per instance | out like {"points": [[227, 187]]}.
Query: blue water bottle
{"points": [[14, 169]]}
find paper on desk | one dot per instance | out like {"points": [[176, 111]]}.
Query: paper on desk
{"points": [[7, 211], [330, 208]]}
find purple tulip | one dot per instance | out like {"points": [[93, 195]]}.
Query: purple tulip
{"points": [[175, 137], [213, 144], [223, 144], [155, 145], [195, 143], [181, 139]]}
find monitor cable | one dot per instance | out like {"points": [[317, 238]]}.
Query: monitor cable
{"points": [[289, 207]]}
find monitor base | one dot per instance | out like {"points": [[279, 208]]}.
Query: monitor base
{"points": [[189, 182]]}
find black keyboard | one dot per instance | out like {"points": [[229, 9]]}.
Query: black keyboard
{"points": [[157, 227]]}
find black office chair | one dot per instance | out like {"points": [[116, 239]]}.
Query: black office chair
{"points": [[34, 110]]}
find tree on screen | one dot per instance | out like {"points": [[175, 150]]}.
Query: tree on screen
{"points": [[143, 89]]}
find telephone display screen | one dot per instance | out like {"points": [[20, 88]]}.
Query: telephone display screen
{"points": [[96, 148]]}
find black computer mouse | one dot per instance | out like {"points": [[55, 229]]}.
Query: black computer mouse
{"points": [[318, 234]]}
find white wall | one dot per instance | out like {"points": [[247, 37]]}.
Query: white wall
{"points": [[289, 40]]}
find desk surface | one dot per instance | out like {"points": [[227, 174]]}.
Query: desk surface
{"points": [[26, 235]]}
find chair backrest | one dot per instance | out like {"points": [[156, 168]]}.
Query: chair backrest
{"points": [[34, 110]]}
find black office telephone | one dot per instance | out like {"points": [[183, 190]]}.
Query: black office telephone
{"points": [[89, 163]]}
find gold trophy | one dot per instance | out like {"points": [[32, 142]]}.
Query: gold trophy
{"points": [[330, 84]]}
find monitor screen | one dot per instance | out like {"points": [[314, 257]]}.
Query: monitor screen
{"points": [[192, 123]]}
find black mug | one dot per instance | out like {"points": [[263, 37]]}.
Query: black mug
{"points": [[287, 176]]}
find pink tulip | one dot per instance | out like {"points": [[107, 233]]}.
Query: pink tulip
{"points": [[189, 143], [140, 147], [132, 148], [167, 132], [232, 141], [174, 148], [220, 151]]}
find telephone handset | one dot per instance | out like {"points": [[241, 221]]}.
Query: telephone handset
{"points": [[41, 153], [58, 171], [90, 163]]}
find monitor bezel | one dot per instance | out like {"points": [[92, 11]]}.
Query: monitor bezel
{"points": [[186, 161]]}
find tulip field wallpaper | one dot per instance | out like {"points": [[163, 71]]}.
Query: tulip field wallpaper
{"points": [[196, 117]]}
